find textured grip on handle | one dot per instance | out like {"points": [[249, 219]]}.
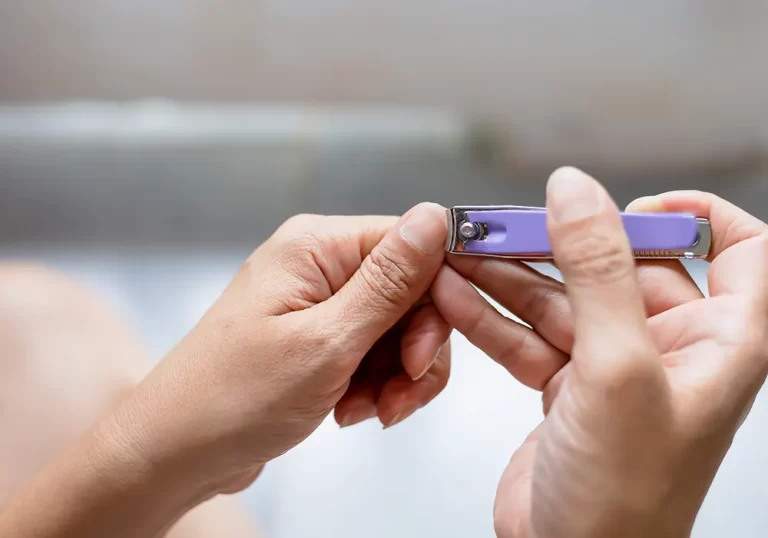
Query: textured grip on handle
{"points": [[515, 232]]}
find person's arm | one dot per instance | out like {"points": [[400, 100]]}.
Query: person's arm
{"points": [[104, 486], [658, 379], [323, 299]]}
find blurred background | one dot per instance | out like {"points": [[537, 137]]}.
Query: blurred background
{"points": [[147, 147]]}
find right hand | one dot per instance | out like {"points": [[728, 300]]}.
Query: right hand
{"points": [[638, 421]]}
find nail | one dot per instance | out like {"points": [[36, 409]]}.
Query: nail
{"points": [[425, 227], [645, 204], [429, 364], [357, 415], [398, 418], [572, 195]]}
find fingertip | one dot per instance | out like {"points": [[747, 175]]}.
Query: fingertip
{"points": [[430, 207], [399, 399], [567, 172], [389, 415], [565, 176], [425, 336], [454, 297], [398, 418], [573, 195], [645, 204], [355, 409], [427, 365], [392, 278], [425, 226]]}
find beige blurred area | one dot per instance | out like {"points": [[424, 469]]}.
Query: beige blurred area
{"points": [[146, 147]]}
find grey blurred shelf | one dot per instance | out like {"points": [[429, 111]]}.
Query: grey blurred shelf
{"points": [[154, 172]]}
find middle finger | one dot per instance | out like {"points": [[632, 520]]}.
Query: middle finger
{"points": [[541, 302], [536, 299]]}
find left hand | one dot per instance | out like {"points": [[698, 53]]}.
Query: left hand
{"points": [[329, 313]]}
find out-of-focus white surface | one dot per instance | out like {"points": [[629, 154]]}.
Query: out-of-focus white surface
{"points": [[435, 474]]}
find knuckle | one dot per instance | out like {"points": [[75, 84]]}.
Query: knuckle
{"points": [[301, 222], [291, 254], [302, 237], [305, 246], [548, 307], [473, 319], [534, 304], [299, 228], [514, 350], [387, 275], [598, 258]]}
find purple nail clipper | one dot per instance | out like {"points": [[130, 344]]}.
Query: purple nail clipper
{"points": [[520, 232]]}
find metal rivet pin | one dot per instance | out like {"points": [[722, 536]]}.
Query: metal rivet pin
{"points": [[471, 230]]}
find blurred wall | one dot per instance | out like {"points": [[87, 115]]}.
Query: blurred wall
{"points": [[273, 107], [652, 85]]}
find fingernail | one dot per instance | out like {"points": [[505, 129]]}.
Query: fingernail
{"points": [[573, 195], [357, 415], [644, 204], [425, 227], [429, 365], [398, 418]]}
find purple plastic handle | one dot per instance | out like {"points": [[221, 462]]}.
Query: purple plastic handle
{"points": [[520, 232]]}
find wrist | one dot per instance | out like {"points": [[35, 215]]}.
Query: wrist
{"points": [[178, 441], [151, 438], [141, 458], [103, 486]]}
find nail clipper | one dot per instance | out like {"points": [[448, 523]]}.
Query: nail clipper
{"points": [[520, 232]]}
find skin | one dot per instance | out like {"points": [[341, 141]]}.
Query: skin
{"points": [[659, 378], [66, 360], [644, 381], [328, 315]]}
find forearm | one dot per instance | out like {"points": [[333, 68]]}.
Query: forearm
{"points": [[632, 525], [101, 487]]}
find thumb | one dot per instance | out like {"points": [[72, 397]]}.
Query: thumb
{"points": [[593, 253], [392, 278]]}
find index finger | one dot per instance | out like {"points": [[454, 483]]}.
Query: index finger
{"points": [[738, 239], [730, 224], [309, 258]]}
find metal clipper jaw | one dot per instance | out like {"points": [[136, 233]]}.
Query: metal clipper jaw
{"points": [[519, 232]]}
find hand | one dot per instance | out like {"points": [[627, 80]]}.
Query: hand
{"points": [[330, 312], [638, 421]]}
